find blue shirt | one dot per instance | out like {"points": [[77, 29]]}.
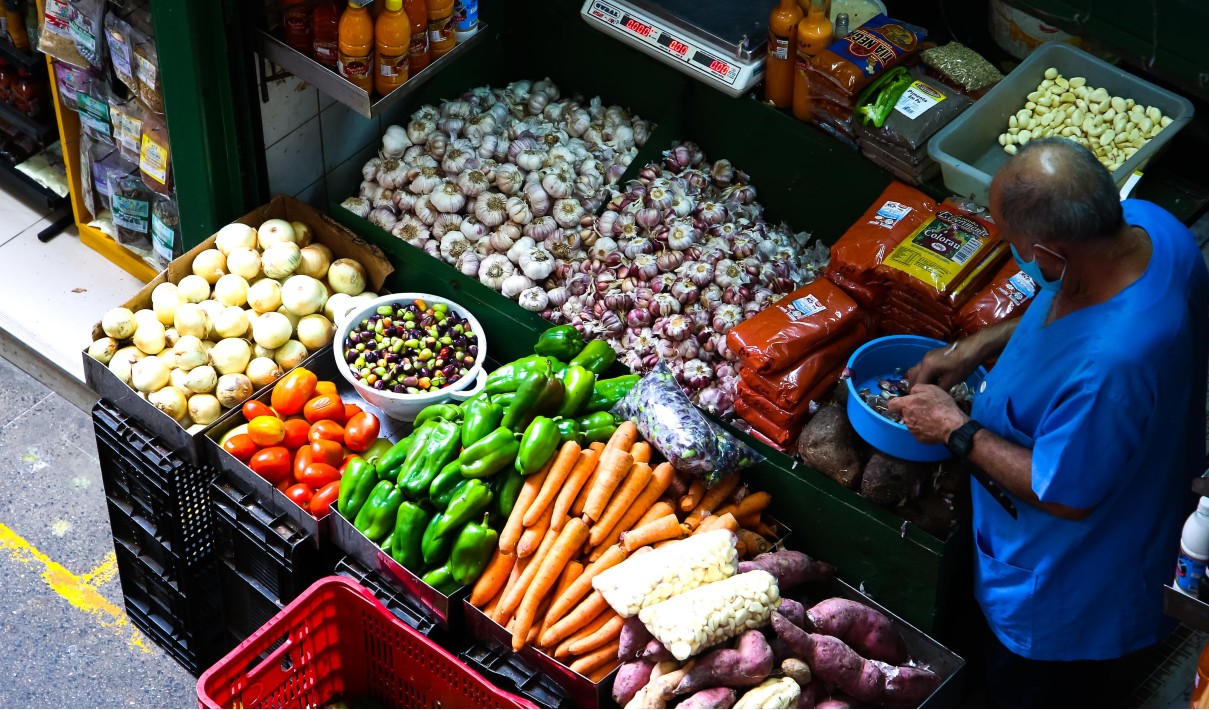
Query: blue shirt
{"points": [[1110, 399]]}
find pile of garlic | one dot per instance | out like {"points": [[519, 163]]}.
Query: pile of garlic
{"points": [[1112, 127]]}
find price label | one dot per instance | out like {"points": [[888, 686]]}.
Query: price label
{"points": [[918, 98]]}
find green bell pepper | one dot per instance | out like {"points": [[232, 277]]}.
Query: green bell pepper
{"points": [[446, 412], [538, 444], [405, 543], [507, 489], [442, 580], [607, 393], [509, 377], [504, 400], [464, 507], [435, 548], [489, 454], [562, 341], [377, 517], [443, 485], [579, 384], [597, 427], [394, 457], [568, 430], [877, 101], [481, 418], [541, 394], [596, 356], [355, 486], [436, 445], [472, 551]]}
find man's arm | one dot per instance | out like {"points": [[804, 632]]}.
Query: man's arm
{"points": [[946, 366], [1011, 465]]}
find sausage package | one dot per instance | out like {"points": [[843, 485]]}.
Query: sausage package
{"points": [[788, 388], [878, 45], [788, 330], [895, 215], [1010, 292]]}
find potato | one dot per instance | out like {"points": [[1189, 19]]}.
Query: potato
{"points": [[828, 443], [889, 481]]}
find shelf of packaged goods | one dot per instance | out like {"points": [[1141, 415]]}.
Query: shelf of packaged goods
{"points": [[18, 180], [330, 83], [41, 132], [24, 59]]}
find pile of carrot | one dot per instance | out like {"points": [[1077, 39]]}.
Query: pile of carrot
{"points": [[584, 512]]}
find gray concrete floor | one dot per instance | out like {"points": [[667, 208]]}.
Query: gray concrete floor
{"points": [[66, 639]]}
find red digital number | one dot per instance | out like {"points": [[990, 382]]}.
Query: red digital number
{"points": [[719, 67], [678, 47], [638, 28]]}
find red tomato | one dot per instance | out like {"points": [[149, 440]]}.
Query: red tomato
{"points": [[301, 494], [325, 406], [296, 431], [345, 463], [255, 408], [285, 485], [325, 387], [324, 498], [271, 464], [361, 432], [241, 447], [326, 430], [318, 475], [351, 410], [266, 431], [328, 452], [292, 392], [302, 459]]}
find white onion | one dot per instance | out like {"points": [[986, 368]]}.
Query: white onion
{"points": [[210, 264], [193, 289], [233, 389], [191, 319], [150, 336], [232, 322], [123, 359], [265, 295], [149, 374], [303, 234], [170, 401], [201, 380], [271, 330], [280, 260], [244, 262], [303, 295], [204, 409], [290, 355], [119, 323], [346, 276], [336, 306], [235, 236], [189, 353], [165, 290], [165, 307], [262, 371], [261, 351], [213, 310], [315, 331], [290, 316], [231, 355], [102, 350], [179, 379], [316, 259], [231, 290], [170, 337], [275, 231]]}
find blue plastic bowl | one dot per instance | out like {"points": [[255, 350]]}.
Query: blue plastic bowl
{"points": [[877, 360]]}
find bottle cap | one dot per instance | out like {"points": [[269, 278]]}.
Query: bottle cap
{"points": [[1203, 506], [394, 5]]}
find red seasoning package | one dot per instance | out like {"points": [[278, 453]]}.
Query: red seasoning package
{"points": [[789, 388], [894, 216], [779, 436], [1007, 296], [789, 329], [791, 418]]}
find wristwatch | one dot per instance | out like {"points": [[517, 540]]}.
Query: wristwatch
{"points": [[961, 441]]}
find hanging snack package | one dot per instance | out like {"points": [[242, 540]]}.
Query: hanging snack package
{"points": [[127, 119], [935, 258], [147, 68], [155, 159], [55, 38], [893, 216], [118, 35], [87, 30], [858, 58], [131, 206], [72, 80], [788, 388], [1010, 292], [165, 228], [92, 154], [682, 433], [93, 109], [788, 330]]}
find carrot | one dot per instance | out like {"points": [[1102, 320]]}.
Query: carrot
{"points": [[696, 491], [661, 478], [580, 615], [705, 525], [614, 465], [516, 592], [624, 437], [741, 549], [767, 530], [574, 482], [571, 596], [489, 608], [662, 543], [601, 673], [597, 446], [641, 451], [678, 487], [571, 573], [532, 537], [610, 631], [565, 547], [596, 659], [665, 528], [728, 522], [568, 455], [598, 621], [493, 579], [750, 520], [754, 542], [655, 512], [510, 536], [750, 505], [629, 491], [713, 499], [577, 508]]}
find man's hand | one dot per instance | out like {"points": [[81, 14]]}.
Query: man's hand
{"points": [[929, 413], [946, 366]]}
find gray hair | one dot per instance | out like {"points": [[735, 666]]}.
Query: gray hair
{"points": [[1071, 198]]}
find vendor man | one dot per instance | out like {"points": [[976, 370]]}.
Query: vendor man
{"points": [[1092, 419]]}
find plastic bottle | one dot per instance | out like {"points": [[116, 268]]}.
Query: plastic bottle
{"points": [[465, 20], [417, 13], [7, 76], [325, 33], [16, 24], [296, 23], [440, 27], [1194, 550], [25, 95], [814, 34], [357, 47], [841, 25], [392, 42], [782, 34]]}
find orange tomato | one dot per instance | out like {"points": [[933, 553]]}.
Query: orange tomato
{"points": [[241, 447], [292, 392], [305, 457], [351, 410], [328, 452], [255, 408], [325, 406], [325, 387], [321, 502], [318, 475], [271, 464], [326, 429], [361, 432], [301, 494], [296, 431], [266, 431]]}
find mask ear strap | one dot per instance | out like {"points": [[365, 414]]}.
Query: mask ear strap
{"points": [[1056, 255]]}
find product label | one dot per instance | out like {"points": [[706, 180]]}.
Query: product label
{"points": [[393, 66], [352, 67], [890, 213], [804, 307], [84, 33], [147, 71], [296, 21], [1021, 288], [327, 53], [939, 250], [440, 30], [1189, 571], [917, 99], [127, 130], [163, 236], [465, 15], [778, 47], [878, 44], [153, 160], [93, 113], [58, 17], [419, 46], [119, 52], [129, 213]]}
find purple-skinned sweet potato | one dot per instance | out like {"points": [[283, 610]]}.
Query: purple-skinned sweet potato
{"points": [[748, 663], [710, 698], [835, 702], [631, 677], [634, 638], [811, 692], [866, 630], [656, 651], [790, 568], [793, 610]]}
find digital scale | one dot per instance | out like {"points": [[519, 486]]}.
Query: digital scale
{"points": [[721, 42]]}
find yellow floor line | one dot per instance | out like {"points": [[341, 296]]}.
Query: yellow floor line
{"points": [[80, 592]]}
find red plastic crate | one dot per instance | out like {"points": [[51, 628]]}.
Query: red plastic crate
{"points": [[334, 640]]}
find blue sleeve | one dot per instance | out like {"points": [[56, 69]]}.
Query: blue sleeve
{"points": [[1084, 443]]}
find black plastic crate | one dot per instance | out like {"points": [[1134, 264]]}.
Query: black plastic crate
{"points": [[270, 549], [509, 671], [246, 606], [392, 597], [155, 483], [194, 656], [139, 536]]}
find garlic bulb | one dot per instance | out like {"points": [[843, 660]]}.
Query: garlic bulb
{"points": [[514, 284], [533, 299], [518, 210], [425, 182], [394, 142], [491, 209], [446, 197], [454, 245], [494, 269], [537, 263], [520, 246], [472, 183]]}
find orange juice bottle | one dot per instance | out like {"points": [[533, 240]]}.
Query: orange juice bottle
{"points": [[417, 12], [814, 34], [778, 76], [440, 27], [392, 41], [357, 47]]}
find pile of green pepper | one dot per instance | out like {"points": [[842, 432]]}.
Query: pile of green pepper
{"points": [[436, 500]]}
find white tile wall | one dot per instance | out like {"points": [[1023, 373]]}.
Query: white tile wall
{"points": [[346, 133], [315, 194], [296, 161], [291, 103]]}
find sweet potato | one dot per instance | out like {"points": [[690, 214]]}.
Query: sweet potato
{"points": [[797, 669], [790, 567], [710, 698], [748, 663], [835, 702], [793, 610], [866, 630], [656, 651], [907, 686], [811, 692], [660, 691], [890, 481], [634, 638], [631, 678], [828, 443], [780, 649]]}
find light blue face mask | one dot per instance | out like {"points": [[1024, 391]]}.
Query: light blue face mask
{"points": [[1034, 271]]}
